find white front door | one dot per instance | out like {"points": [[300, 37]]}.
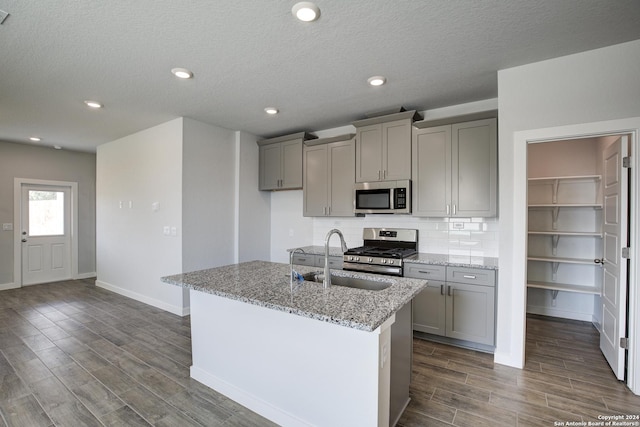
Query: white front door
{"points": [[614, 283], [45, 233]]}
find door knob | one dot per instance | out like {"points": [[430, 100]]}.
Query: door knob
{"points": [[24, 240], [24, 233]]}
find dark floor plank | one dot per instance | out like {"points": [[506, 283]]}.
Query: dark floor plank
{"points": [[24, 412], [124, 417]]}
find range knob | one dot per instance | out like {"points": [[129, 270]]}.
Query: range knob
{"points": [[391, 261], [384, 261], [370, 260]]}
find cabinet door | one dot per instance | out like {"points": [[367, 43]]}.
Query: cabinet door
{"points": [[396, 150], [316, 181], [429, 309], [335, 262], [369, 153], [470, 312], [342, 176], [291, 165], [431, 172], [475, 169], [270, 167]]}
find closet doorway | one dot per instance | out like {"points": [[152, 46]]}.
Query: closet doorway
{"points": [[578, 229]]}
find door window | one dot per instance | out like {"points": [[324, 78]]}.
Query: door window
{"points": [[46, 213]]}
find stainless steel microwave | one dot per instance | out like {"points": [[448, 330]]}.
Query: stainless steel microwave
{"points": [[386, 197]]}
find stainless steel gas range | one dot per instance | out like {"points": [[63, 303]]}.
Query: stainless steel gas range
{"points": [[384, 251]]}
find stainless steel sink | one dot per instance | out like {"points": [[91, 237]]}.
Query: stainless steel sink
{"points": [[349, 282]]}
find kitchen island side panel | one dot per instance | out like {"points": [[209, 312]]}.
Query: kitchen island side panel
{"points": [[291, 369]]}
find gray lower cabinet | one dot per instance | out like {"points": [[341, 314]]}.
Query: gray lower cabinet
{"points": [[329, 175], [458, 302], [315, 260], [455, 169]]}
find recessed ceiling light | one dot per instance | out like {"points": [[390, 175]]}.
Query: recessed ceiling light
{"points": [[182, 73], [305, 11], [35, 139], [57, 147], [376, 80], [93, 104], [271, 110]]}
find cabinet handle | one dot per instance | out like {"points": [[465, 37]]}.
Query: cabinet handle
{"points": [[324, 210], [424, 272], [447, 209], [329, 210], [379, 175], [449, 290], [454, 208], [384, 174], [469, 276], [441, 289]]}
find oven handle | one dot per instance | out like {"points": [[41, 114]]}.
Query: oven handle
{"points": [[352, 266]]}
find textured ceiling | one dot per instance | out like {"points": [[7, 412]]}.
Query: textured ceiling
{"points": [[250, 54]]}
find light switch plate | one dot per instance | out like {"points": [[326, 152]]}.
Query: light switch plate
{"points": [[7, 227]]}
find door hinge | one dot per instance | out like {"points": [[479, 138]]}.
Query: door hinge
{"points": [[624, 343], [625, 253], [626, 162]]}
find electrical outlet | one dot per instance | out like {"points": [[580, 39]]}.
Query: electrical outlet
{"points": [[458, 225], [174, 231], [166, 230], [7, 227]]}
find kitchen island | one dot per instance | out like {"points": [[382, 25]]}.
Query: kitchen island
{"points": [[313, 356]]}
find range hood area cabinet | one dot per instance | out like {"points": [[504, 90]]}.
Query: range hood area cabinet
{"points": [[329, 175], [383, 147], [455, 169], [281, 161]]}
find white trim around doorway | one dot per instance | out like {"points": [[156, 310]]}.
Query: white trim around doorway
{"points": [[17, 215], [521, 139]]}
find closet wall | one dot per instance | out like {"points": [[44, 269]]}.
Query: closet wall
{"points": [[563, 280]]}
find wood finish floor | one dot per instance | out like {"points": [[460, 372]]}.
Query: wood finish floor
{"points": [[565, 379], [74, 355]]}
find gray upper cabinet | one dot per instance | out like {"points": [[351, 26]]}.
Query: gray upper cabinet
{"points": [[329, 175], [281, 162], [383, 147], [455, 169]]}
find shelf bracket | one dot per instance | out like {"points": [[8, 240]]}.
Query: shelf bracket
{"points": [[554, 295], [554, 242], [554, 217], [554, 271], [556, 183]]}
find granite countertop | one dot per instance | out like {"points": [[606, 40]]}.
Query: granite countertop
{"points": [[488, 263], [267, 284]]}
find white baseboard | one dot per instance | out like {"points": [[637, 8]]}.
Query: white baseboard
{"points": [[7, 286], [247, 400], [81, 276], [548, 311], [180, 311]]}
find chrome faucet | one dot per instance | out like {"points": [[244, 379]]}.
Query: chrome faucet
{"points": [[327, 272], [293, 251]]}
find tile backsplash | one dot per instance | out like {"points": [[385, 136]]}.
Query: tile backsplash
{"points": [[457, 237]]}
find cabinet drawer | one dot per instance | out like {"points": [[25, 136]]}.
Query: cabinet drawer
{"points": [[424, 271], [472, 276], [335, 262], [304, 259]]}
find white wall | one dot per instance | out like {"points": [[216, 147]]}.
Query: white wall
{"points": [[208, 196], [132, 251], [253, 207], [588, 87]]}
